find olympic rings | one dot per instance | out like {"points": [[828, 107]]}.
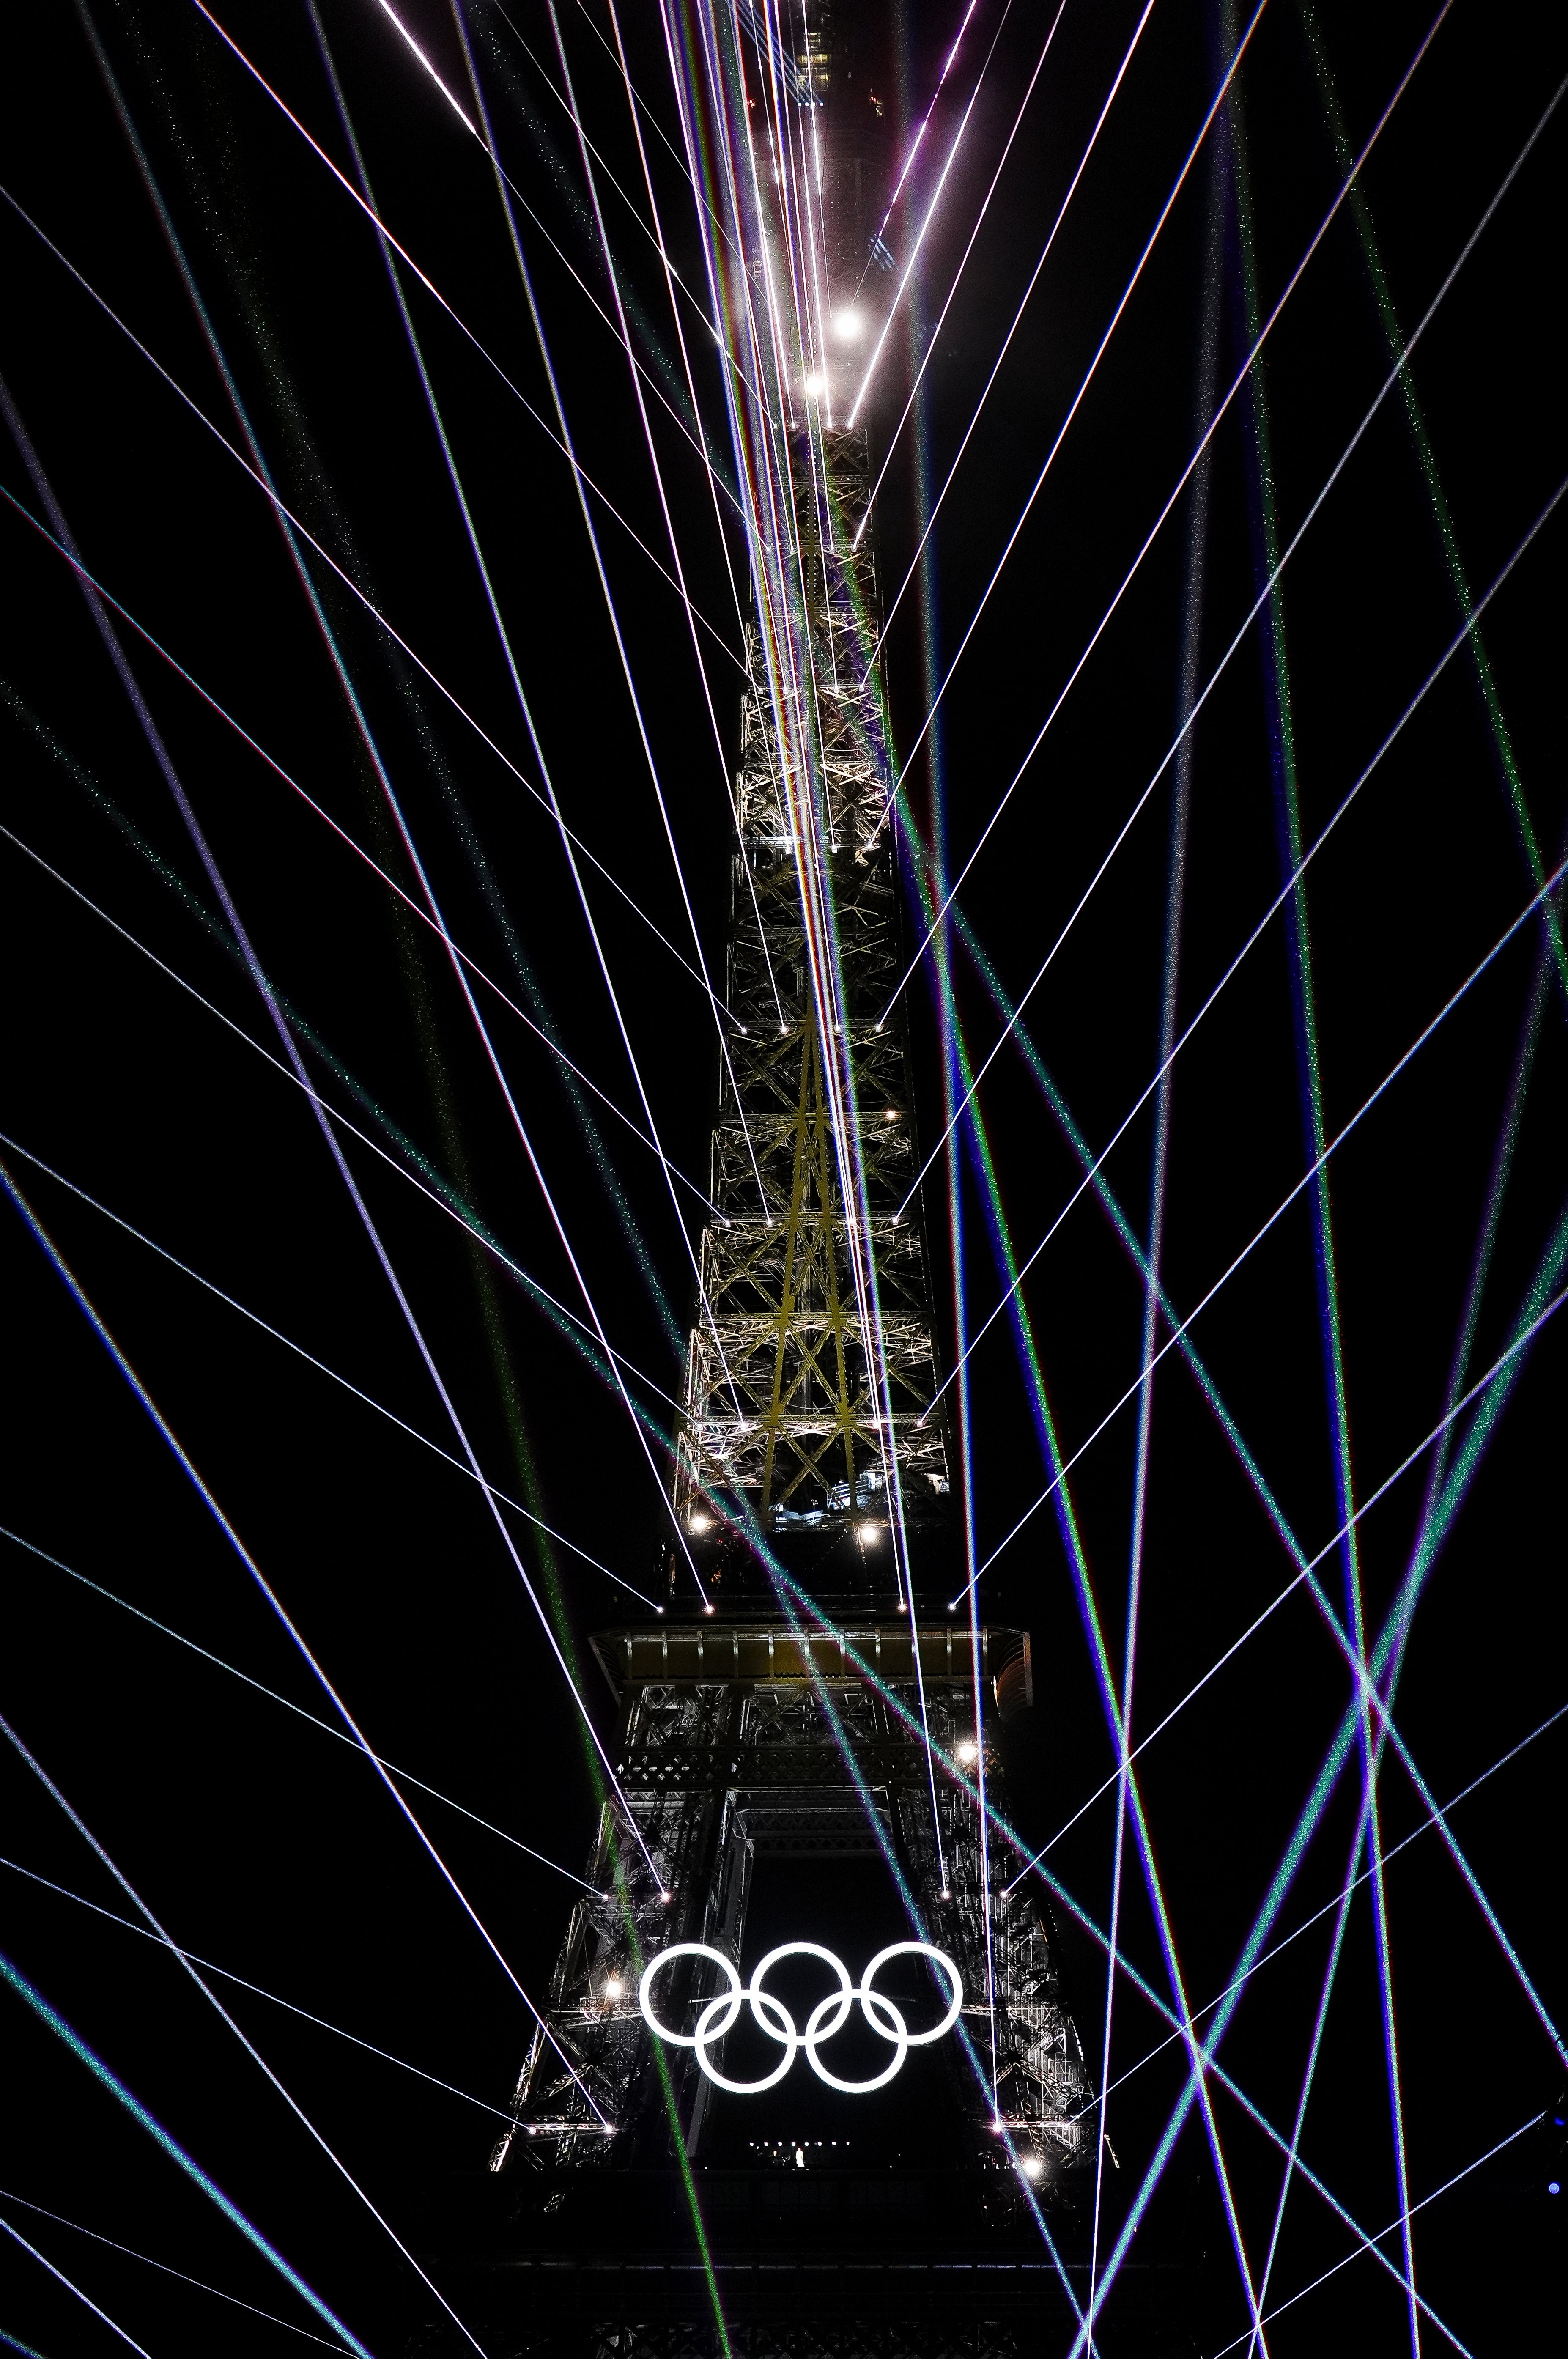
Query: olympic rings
{"points": [[772, 2018]]}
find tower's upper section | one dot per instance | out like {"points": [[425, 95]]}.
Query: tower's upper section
{"points": [[811, 1370], [810, 1407]]}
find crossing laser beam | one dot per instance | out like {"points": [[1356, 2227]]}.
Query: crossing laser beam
{"points": [[85, 2299], [117, 2089], [450, 1203], [166, 1941], [941, 316], [926, 219], [8, 2195], [1492, 2152], [257, 1990], [272, 1695], [1238, 382], [1482, 967], [341, 573], [210, 1502], [1432, 1818], [290, 1048], [1413, 704]]}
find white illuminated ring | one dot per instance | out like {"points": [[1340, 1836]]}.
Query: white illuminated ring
{"points": [[899, 2035], [774, 2019], [938, 1958], [730, 1998], [707, 2031]]}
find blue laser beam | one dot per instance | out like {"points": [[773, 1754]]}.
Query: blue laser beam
{"points": [[86, 2300], [210, 1502], [446, 1199], [256, 1990], [338, 1736], [1236, 384], [166, 1940], [1476, 973], [267, 1328], [8, 2195], [171, 2147]]}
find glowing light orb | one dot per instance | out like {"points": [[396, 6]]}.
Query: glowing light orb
{"points": [[967, 1752], [700, 1521], [849, 325]]}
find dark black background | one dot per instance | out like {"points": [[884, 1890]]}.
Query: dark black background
{"points": [[265, 1845]]}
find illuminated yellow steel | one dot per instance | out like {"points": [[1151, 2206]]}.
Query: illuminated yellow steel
{"points": [[787, 1394]]}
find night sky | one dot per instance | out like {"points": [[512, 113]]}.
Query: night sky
{"points": [[194, 302]]}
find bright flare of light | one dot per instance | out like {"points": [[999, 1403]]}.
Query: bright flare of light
{"points": [[868, 1533], [404, 34], [699, 1522], [613, 1987], [951, 60], [915, 253], [848, 325], [1033, 2166], [967, 1752], [813, 388]]}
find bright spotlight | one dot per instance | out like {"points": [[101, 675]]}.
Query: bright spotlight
{"points": [[813, 388], [1033, 2166], [849, 325], [868, 1533], [967, 1752], [613, 1987], [699, 1521]]}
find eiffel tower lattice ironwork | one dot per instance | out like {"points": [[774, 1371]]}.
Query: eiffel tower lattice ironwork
{"points": [[820, 1743], [816, 1711], [809, 1396]]}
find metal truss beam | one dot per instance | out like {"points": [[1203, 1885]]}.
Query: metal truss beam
{"points": [[787, 1397]]}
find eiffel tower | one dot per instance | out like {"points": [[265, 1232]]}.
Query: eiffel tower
{"points": [[807, 1742]]}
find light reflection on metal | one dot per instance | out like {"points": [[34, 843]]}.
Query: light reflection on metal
{"points": [[818, 1356]]}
